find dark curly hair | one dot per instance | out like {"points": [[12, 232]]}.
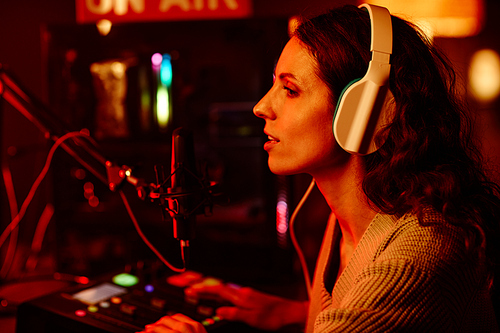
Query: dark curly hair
{"points": [[429, 157]]}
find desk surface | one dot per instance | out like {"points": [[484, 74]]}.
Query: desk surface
{"points": [[22, 291]]}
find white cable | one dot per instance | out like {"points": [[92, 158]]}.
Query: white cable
{"points": [[303, 263]]}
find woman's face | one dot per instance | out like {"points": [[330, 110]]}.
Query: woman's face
{"points": [[298, 116]]}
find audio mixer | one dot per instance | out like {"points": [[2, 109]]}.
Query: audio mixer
{"points": [[122, 303]]}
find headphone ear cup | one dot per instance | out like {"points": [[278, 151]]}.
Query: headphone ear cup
{"points": [[342, 94], [361, 111]]}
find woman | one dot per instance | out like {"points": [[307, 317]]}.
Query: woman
{"points": [[410, 245]]}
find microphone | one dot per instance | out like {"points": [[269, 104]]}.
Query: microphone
{"points": [[189, 193], [185, 186]]}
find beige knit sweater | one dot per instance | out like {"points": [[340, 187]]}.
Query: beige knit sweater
{"points": [[402, 277]]}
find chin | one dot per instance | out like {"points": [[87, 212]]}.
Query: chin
{"points": [[280, 170]]}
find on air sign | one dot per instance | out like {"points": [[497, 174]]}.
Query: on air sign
{"points": [[91, 11]]}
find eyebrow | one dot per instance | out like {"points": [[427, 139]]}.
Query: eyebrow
{"points": [[287, 75]]}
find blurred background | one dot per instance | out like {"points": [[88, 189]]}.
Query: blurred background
{"points": [[130, 72]]}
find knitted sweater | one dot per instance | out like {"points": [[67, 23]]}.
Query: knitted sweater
{"points": [[402, 277]]}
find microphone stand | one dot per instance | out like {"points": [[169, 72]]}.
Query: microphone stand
{"points": [[84, 150]]}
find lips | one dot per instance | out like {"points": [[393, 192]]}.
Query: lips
{"points": [[271, 138], [272, 141]]}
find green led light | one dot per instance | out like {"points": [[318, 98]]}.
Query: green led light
{"points": [[163, 106], [92, 308], [125, 280]]}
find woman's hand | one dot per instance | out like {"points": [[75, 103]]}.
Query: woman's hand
{"points": [[177, 323], [257, 309]]}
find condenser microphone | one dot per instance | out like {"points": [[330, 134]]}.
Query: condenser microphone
{"points": [[183, 198]]}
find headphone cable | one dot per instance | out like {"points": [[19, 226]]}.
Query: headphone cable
{"points": [[303, 263]]}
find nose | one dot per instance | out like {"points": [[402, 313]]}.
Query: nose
{"points": [[263, 109]]}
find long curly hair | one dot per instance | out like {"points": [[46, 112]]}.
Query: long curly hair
{"points": [[429, 157]]}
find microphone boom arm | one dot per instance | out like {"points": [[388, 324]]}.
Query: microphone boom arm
{"points": [[84, 149]]}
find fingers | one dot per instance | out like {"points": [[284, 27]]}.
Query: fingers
{"points": [[183, 318], [180, 323], [230, 313], [177, 323], [222, 292]]}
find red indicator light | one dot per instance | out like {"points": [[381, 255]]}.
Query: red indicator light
{"points": [[80, 313], [82, 280]]}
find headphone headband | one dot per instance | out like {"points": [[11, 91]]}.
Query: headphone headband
{"points": [[381, 28]]}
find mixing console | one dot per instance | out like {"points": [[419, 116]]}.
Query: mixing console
{"points": [[122, 303]]}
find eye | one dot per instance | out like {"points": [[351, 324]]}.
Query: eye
{"points": [[290, 92]]}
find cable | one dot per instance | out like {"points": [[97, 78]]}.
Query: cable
{"points": [[17, 219], [145, 239], [11, 197], [36, 244], [303, 263]]}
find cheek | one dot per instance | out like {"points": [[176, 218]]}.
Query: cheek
{"points": [[315, 147], [309, 130], [320, 143], [319, 127], [309, 118], [320, 146]]}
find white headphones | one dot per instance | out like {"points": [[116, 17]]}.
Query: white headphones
{"points": [[364, 104]]}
